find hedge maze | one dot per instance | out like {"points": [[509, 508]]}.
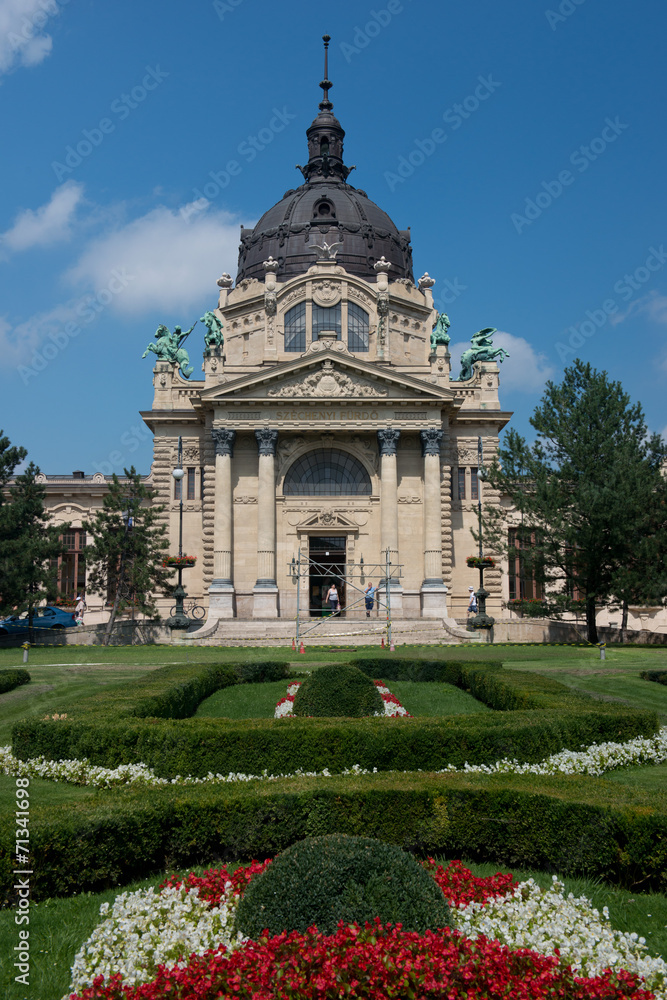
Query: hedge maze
{"points": [[571, 824]]}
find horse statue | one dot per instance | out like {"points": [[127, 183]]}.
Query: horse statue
{"points": [[213, 336], [167, 347], [440, 333], [482, 349]]}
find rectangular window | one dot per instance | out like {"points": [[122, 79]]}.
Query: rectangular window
{"points": [[178, 489], [357, 328], [326, 318], [191, 484], [461, 492], [71, 566], [523, 584], [474, 483], [201, 483], [295, 328]]}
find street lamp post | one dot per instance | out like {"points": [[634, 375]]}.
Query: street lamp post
{"points": [[179, 620], [481, 619]]}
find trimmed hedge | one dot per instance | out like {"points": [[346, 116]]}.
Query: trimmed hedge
{"points": [[659, 676], [323, 880], [338, 690], [13, 678], [130, 726], [573, 826]]}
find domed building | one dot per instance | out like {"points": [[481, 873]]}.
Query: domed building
{"points": [[327, 441]]}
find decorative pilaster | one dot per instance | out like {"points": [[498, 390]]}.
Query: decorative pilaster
{"points": [[433, 589], [387, 443], [221, 591], [265, 591]]}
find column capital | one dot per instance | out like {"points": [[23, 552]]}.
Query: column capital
{"points": [[388, 440], [223, 439], [431, 438], [267, 440]]}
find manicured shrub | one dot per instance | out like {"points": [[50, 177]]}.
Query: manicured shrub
{"points": [[323, 880], [338, 691], [13, 678], [573, 826], [658, 676]]}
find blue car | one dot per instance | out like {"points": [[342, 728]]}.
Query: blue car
{"points": [[48, 617]]}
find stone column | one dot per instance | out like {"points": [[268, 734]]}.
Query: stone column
{"points": [[265, 591], [433, 590], [387, 442], [221, 591]]}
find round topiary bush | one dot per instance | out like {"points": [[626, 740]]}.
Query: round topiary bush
{"points": [[323, 880], [338, 690]]}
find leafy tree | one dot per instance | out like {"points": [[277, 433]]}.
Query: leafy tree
{"points": [[590, 488], [10, 457], [30, 544], [128, 546]]}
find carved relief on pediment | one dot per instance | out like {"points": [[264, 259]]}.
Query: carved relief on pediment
{"points": [[328, 518], [327, 382]]}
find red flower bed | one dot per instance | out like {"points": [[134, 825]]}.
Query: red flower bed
{"points": [[375, 963], [460, 886], [212, 884]]}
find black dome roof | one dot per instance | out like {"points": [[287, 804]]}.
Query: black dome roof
{"points": [[325, 208]]}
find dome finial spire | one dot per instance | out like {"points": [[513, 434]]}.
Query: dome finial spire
{"points": [[326, 84]]}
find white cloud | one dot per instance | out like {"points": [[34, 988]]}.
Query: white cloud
{"points": [[653, 305], [174, 259], [523, 371], [18, 344], [22, 39], [47, 225]]}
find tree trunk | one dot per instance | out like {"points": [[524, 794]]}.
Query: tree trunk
{"points": [[590, 620], [624, 622]]}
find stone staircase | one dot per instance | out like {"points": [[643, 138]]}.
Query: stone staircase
{"points": [[333, 631]]}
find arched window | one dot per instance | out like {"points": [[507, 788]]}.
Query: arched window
{"points": [[327, 472], [295, 328], [357, 328]]}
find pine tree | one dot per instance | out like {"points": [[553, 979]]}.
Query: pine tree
{"points": [[126, 546], [589, 488], [30, 546], [10, 457]]}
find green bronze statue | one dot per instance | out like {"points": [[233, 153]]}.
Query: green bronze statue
{"points": [[167, 347], [482, 350], [440, 334], [213, 336]]}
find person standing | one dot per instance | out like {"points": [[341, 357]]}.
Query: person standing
{"points": [[472, 603], [332, 598], [79, 609], [369, 597]]}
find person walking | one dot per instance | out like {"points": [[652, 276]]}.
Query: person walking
{"points": [[369, 597], [79, 609], [332, 598], [472, 603]]}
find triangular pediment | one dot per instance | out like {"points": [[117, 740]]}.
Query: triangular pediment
{"points": [[327, 520], [328, 376]]}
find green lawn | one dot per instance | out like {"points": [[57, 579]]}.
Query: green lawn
{"points": [[58, 927]]}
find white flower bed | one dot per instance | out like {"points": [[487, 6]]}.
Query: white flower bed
{"points": [[548, 920], [594, 760], [146, 928]]}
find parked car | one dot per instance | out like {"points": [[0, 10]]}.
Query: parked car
{"points": [[47, 617]]}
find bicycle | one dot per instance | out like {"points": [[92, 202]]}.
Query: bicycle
{"points": [[194, 611]]}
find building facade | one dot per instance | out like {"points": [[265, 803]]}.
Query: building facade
{"points": [[327, 424]]}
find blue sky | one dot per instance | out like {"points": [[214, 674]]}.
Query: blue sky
{"points": [[523, 144]]}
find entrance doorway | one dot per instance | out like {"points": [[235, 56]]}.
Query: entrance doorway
{"points": [[327, 566]]}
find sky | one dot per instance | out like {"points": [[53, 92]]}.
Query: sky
{"points": [[522, 143]]}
